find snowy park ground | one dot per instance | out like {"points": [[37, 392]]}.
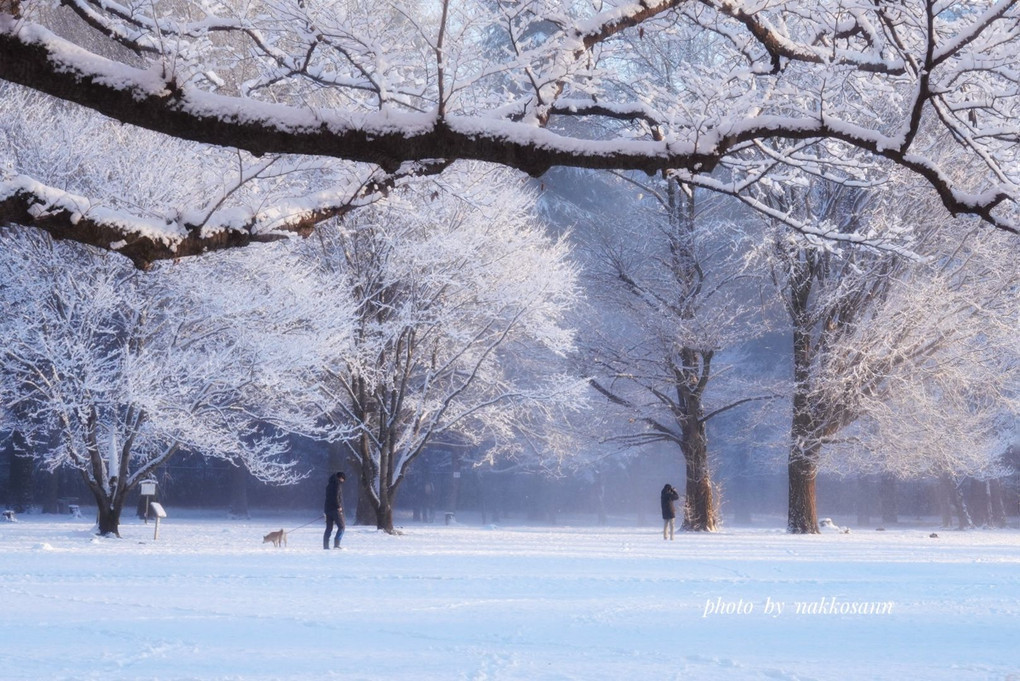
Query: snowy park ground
{"points": [[209, 601]]}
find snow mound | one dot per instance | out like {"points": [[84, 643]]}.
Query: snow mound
{"points": [[827, 526]]}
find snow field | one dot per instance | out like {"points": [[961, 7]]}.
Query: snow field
{"points": [[209, 601]]}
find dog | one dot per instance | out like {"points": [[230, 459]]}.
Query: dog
{"points": [[279, 538]]}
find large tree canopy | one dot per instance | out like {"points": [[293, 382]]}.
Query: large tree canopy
{"points": [[412, 86], [112, 373]]}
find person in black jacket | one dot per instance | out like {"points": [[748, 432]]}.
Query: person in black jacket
{"points": [[334, 509], [668, 498]]}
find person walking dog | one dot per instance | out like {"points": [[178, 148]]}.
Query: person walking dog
{"points": [[334, 509]]}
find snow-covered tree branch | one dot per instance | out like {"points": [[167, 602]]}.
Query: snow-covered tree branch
{"points": [[541, 84], [149, 198]]}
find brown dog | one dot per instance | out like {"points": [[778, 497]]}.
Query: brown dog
{"points": [[278, 538]]}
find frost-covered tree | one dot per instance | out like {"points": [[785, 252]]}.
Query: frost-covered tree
{"points": [[674, 303], [828, 292], [873, 331], [460, 301], [945, 405], [531, 85], [111, 372]]}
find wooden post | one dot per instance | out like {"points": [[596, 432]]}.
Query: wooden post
{"points": [[148, 491]]}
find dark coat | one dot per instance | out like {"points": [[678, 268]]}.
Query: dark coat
{"points": [[334, 504], [669, 498]]}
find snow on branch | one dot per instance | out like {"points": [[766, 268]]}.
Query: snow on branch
{"points": [[64, 215], [543, 85]]}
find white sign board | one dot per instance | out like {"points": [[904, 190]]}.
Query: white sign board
{"points": [[148, 488], [158, 510]]}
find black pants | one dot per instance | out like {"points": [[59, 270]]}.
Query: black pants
{"points": [[336, 518]]}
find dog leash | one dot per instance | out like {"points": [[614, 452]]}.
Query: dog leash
{"points": [[314, 520]]}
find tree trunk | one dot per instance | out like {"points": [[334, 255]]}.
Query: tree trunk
{"points": [[997, 507], [978, 502], [961, 509], [699, 506], [802, 468], [365, 513], [802, 514], [108, 519], [802, 517], [699, 502], [956, 501], [384, 516], [384, 510]]}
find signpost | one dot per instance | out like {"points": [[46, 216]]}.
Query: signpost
{"points": [[148, 491], [158, 511]]}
